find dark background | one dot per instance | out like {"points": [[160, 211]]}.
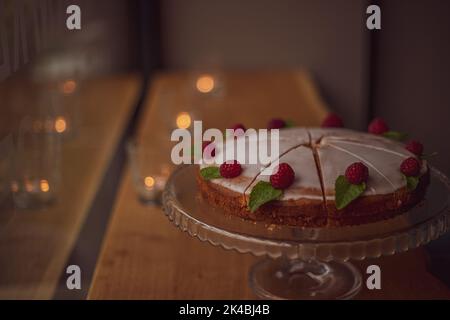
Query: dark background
{"points": [[400, 72]]}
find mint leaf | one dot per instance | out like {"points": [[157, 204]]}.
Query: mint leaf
{"points": [[395, 135], [290, 124], [262, 192], [209, 173], [345, 192], [411, 183]]}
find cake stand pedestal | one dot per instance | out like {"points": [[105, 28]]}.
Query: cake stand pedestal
{"points": [[306, 263]]}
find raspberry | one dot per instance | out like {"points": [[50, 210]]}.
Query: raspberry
{"points": [[237, 127], [276, 123], [332, 121], [378, 126], [283, 177], [208, 148], [415, 147], [410, 167], [357, 173], [230, 169]]}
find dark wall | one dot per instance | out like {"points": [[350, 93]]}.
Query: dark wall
{"points": [[30, 28], [327, 37], [412, 74]]}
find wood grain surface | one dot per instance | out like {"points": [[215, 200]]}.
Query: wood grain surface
{"points": [[35, 244], [145, 257]]}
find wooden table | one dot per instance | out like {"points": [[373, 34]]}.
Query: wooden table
{"points": [[145, 257], [35, 244]]}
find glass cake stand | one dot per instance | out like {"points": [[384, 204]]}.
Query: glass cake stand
{"points": [[307, 263]]}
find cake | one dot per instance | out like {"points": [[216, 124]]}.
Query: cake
{"points": [[318, 157]]}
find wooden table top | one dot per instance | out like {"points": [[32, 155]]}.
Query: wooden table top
{"points": [[145, 257], [35, 244]]}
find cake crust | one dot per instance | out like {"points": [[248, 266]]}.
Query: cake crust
{"points": [[314, 213], [301, 213]]}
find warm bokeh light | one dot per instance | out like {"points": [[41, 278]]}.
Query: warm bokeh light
{"points": [[14, 187], [205, 83], [28, 186], [60, 124], [149, 182], [183, 120], [69, 86], [45, 187]]}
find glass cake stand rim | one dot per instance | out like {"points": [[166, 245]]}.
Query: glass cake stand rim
{"points": [[385, 244]]}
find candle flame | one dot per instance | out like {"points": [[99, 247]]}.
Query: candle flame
{"points": [[183, 120], [60, 124], [205, 83], [149, 182], [45, 187], [69, 86]]}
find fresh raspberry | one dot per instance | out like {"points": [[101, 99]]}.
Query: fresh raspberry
{"points": [[276, 123], [378, 126], [230, 169], [283, 177], [332, 121], [357, 173], [410, 167], [415, 147], [237, 127], [208, 148]]}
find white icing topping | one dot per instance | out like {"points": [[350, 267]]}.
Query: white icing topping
{"points": [[288, 139], [336, 150], [306, 183]]}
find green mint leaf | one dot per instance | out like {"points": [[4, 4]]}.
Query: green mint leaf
{"points": [[209, 173], [395, 135], [262, 193], [345, 192], [290, 124], [411, 183]]}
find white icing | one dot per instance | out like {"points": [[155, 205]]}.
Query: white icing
{"points": [[336, 150], [382, 156], [288, 139], [306, 183]]}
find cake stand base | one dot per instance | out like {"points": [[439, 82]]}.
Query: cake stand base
{"points": [[302, 280]]}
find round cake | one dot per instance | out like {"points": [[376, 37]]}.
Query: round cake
{"points": [[320, 159]]}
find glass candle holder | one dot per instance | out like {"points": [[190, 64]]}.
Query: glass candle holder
{"points": [[150, 167], [58, 77], [37, 171]]}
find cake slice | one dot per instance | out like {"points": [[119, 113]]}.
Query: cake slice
{"points": [[386, 194], [302, 203], [230, 193]]}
